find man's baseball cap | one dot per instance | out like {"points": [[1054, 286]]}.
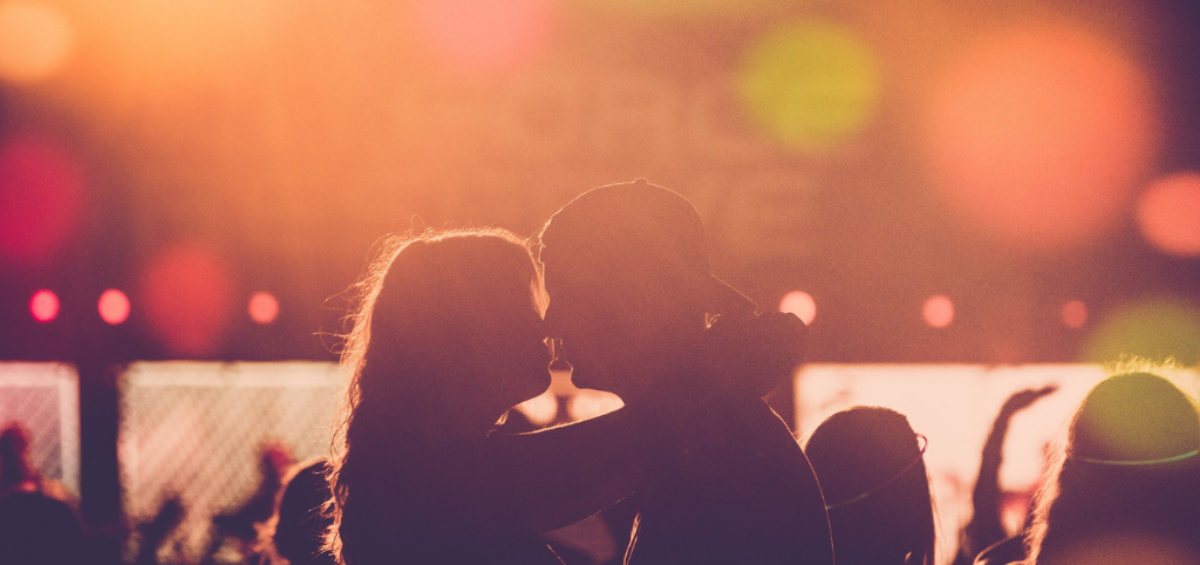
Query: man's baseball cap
{"points": [[641, 226]]}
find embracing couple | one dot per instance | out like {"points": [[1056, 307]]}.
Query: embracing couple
{"points": [[451, 332]]}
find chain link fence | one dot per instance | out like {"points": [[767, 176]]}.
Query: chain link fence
{"points": [[197, 432], [44, 398]]}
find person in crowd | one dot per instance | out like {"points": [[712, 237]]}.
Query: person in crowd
{"points": [[1126, 489], [627, 273], [295, 534], [238, 528], [17, 472], [38, 529], [871, 467], [986, 530], [447, 336]]}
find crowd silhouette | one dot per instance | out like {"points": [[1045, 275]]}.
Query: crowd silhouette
{"points": [[452, 329]]}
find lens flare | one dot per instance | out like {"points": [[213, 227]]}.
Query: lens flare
{"points": [[264, 308], [44, 306], [1168, 214], [801, 304], [41, 194], [1074, 314], [188, 291], [36, 39], [938, 311], [1156, 329], [809, 84], [113, 307], [1036, 136]]}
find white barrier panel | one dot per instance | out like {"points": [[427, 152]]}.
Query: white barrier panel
{"points": [[197, 431], [44, 397], [954, 406]]}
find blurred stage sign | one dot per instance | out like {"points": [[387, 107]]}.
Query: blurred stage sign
{"points": [[44, 397]]}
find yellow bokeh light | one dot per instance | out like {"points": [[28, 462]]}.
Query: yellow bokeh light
{"points": [[1155, 329], [809, 84], [35, 40]]}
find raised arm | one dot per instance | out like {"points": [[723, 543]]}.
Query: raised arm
{"points": [[986, 527]]}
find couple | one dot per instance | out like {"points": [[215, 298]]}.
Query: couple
{"points": [[450, 334]]}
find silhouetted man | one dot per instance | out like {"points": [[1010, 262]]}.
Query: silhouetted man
{"points": [[626, 268]]}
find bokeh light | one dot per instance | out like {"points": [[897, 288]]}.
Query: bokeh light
{"points": [[264, 308], [482, 37], [44, 305], [1168, 214], [188, 295], [41, 193], [938, 311], [809, 84], [36, 38], [801, 304], [1036, 136], [113, 306], [1156, 329], [1074, 314]]}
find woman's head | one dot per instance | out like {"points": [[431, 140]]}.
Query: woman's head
{"points": [[446, 337], [1131, 467], [870, 464], [449, 324]]}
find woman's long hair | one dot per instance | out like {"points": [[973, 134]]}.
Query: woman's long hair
{"points": [[418, 305], [1128, 480], [871, 467]]}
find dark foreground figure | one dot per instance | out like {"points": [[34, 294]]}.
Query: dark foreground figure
{"points": [[627, 272]]}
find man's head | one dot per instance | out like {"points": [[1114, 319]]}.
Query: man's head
{"points": [[627, 271]]}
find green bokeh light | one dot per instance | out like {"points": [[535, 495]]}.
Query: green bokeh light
{"points": [[1154, 329], [809, 84]]}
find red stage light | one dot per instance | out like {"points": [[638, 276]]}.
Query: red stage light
{"points": [[1074, 314], [1168, 214], [41, 189], [264, 308], [44, 306], [801, 304], [188, 291], [484, 36], [1036, 136], [113, 306], [938, 311]]}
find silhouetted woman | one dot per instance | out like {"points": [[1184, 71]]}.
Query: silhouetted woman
{"points": [[871, 467], [1127, 487], [448, 336]]}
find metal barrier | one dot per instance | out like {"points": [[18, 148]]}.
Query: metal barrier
{"points": [[196, 431], [44, 398]]}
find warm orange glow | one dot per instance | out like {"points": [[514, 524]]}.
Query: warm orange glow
{"points": [[1168, 214], [938, 311], [1035, 136], [41, 193], [1074, 314], [801, 304], [44, 306], [113, 306], [35, 40], [540, 410], [264, 308], [188, 294], [485, 36]]}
